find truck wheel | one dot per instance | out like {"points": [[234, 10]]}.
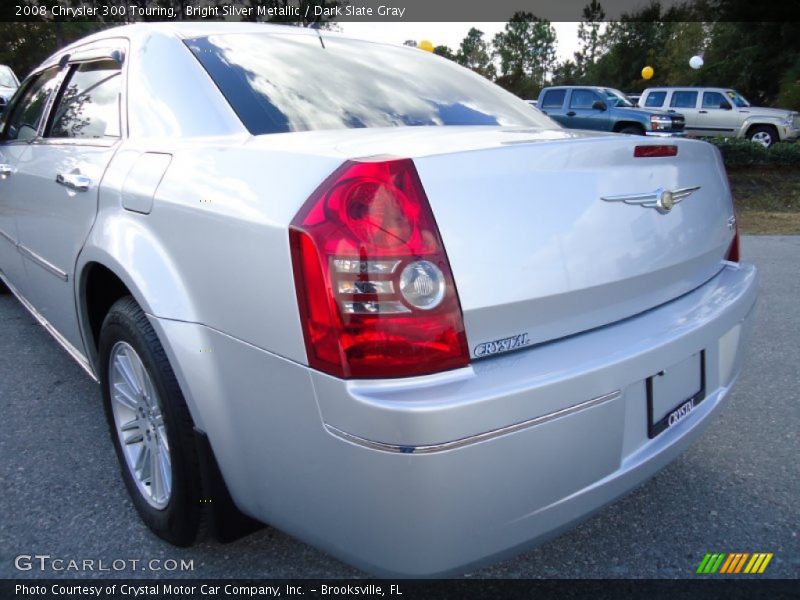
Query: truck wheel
{"points": [[762, 135], [150, 424], [632, 130]]}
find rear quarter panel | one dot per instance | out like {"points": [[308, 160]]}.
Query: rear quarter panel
{"points": [[214, 249]]}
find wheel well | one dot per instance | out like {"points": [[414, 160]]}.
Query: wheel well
{"points": [[767, 125], [101, 288], [623, 124]]}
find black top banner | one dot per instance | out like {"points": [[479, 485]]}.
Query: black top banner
{"points": [[392, 10]]}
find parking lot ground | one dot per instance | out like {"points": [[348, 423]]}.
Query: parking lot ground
{"points": [[736, 490]]}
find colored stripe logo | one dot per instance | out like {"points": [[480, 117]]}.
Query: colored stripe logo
{"points": [[733, 563]]}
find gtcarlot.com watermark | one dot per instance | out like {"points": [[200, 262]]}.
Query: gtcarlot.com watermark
{"points": [[45, 563]]}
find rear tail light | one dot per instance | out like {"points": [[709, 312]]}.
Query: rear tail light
{"points": [[654, 151], [733, 250], [374, 287]]}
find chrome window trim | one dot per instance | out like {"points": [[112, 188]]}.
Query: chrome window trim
{"points": [[473, 439]]}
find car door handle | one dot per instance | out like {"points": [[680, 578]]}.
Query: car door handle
{"points": [[703, 112], [6, 170], [74, 181], [571, 113]]}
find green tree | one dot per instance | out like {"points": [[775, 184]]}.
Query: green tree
{"points": [[686, 39], [753, 57], [589, 32], [566, 73], [637, 40], [23, 46], [475, 53], [445, 51], [526, 49]]}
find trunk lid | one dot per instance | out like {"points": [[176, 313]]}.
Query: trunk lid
{"points": [[536, 252]]}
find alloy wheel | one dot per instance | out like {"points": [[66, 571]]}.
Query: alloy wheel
{"points": [[139, 423]]}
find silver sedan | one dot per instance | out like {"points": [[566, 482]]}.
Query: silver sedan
{"points": [[359, 293]]}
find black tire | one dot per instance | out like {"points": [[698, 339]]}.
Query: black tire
{"points": [[763, 134], [179, 522], [4, 288], [632, 130]]}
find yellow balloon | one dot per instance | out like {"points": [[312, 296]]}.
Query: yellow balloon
{"points": [[648, 72], [425, 45]]}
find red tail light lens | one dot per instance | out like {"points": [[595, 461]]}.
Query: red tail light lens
{"points": [[733, 251], [374, 287], [654, 151]]}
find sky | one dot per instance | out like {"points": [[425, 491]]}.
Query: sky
{"points": [[451, 34]]}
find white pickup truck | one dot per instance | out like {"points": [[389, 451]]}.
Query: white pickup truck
{"points": [[724, 112]]}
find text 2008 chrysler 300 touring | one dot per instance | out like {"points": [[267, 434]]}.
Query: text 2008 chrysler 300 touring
{"points": [[360, 293]]}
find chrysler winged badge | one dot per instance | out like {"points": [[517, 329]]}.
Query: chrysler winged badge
{"points": [[662, 200]]}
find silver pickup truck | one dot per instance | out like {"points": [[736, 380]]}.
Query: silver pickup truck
{"points": [[724, 112]]}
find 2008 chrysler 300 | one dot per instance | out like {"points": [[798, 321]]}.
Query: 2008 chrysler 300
{"points": [[362, 294]]}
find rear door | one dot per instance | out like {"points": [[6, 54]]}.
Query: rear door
{"points": [[716, 115], [581, 113], [61, 176], [685, 102], [21, 128], [551, 103]]}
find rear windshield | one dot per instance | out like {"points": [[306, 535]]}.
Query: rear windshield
{"points": [[281, 83]]}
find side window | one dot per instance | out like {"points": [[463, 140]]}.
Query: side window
{"points": [[714, 100], [655, 99], [583, 99], [683, 100], [89, 103], [553, 99], [28, 111]]}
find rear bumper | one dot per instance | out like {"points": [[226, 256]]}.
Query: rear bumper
{"points": [[433, 475]]}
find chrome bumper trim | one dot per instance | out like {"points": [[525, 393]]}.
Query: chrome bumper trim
{"points": [[473, 439], [665, 133]]}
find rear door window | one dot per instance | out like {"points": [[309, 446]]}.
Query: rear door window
{"points": [[553, 99], [27, 113], [88, 105], [583, 99], [683, 99], [655, 99], [715, 100]]}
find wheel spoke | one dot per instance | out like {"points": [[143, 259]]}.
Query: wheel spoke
{"points": [[166, 471], [140, 458], [135, 439], [125, 369], [146, 472], [131, 425], [150, 396], [123, 395], [158, 475], [161, 432]]}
